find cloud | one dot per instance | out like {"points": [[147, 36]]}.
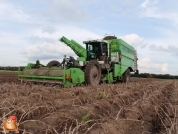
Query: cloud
{"points": [[145, 3], [47, 51], [11, 13], [49, 29], [65, 11], [145, 65], [153, 9], [54, 12], [170, 49], [164, 67], [134, 40], [37, 39], [72, 32], [10, 40], [148, 3]]}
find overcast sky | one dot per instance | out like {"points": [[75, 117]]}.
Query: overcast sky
{"points": [[30, 30]]}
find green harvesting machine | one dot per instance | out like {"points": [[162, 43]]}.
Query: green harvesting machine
{"points": [[106, 60]]}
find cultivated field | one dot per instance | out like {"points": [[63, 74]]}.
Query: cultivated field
{"points": [[138, 107], [8, 76]]}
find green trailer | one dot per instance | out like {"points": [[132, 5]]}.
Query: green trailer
{"points": [[106, 60]]}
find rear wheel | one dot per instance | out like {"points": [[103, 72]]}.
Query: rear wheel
{"points": [[126, 76], [93, 73], [53, 63]]}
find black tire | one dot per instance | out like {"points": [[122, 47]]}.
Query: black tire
{"points": [[53, 63], [92, 73], [126, 76]]}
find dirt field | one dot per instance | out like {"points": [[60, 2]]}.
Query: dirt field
{"points": [[145, 107], [8, 76]]}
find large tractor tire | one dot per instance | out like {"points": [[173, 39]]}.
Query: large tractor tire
{"points": [[53, 63], [126, 76], [92, 73]]}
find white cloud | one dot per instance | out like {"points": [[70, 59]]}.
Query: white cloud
{"points": [[49, 29], [12, 13], [65, 11], [145, 65], [150, 9], [47, 51], [37, 39], [148, 3], [11, 40], [164, 67], [133, 39], [145, 3], [71, 32]]}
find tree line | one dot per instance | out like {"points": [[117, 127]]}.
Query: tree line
{"points": [[160, 76], [10, 68]]}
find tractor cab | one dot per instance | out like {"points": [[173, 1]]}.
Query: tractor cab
{"points": [[97, 50]]}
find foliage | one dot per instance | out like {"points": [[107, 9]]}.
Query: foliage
{"points": [[160, 76], [10, 68], [101, 95], [85, 118]]}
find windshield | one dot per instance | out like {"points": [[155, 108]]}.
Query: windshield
{"points": [[96, 49]]}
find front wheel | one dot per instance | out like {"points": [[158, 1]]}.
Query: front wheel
{"points": [[126, 76], [93, 73]]}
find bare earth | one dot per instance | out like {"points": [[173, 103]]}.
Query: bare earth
{"points": [[139, 107]]}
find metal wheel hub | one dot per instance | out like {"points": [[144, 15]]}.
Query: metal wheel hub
{"points": [[94, 73]]}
